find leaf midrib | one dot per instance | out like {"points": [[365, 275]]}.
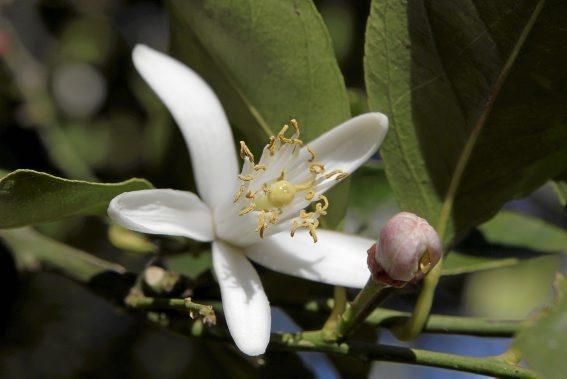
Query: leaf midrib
{"points": [[447, 206], [224, 72]]}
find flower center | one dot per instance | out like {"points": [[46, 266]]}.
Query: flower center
{"points": [[266, 190]]}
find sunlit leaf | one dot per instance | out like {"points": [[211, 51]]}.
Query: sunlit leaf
{"points": [[29, 197], [268, 61], [476, 102]]}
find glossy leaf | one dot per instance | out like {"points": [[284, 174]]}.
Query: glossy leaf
{"points": [[29, 197], [474, 93], [544, 343], [268, 61]]}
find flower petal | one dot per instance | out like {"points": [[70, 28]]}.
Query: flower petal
{"points": [[163, 211], [202, 120], [246, 307], [345, 147], [336, 258]]}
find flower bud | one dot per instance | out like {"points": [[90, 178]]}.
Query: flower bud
{"points": [[407, 249]]}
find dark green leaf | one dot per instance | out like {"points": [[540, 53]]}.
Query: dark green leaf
{"points": [[268, 61], [560, 185], [189, 264], [474, 92], [29, 197], [544, 343]]}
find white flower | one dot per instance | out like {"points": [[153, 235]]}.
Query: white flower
{"points": [[250, 215]]}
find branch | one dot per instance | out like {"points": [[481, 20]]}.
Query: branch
{"points": [[195, 310], [441, 324], [305, 341]]}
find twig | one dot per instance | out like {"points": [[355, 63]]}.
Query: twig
{"points": [[204, 312]]}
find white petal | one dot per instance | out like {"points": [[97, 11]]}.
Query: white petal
{"points": [[336, 258], [202, 120], [246, 307], [345, 147], [163, 211]]}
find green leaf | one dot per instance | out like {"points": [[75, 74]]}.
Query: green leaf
{"points": [[517, 229], [189, 264], [474, 94], [29, 197], [268, 61], [458, 263], [29, 246], [560, 186], [543, 344]]}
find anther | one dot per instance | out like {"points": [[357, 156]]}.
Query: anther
{"points": [[239, 193], [340, 174], [250, 195], [312, 153], [260, 167], [246, 178], [316, 168], [295, 125], [248, 209], [309, 195], [245, 152]]}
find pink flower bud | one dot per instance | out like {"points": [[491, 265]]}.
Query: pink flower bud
{"points": [[407, 249]]}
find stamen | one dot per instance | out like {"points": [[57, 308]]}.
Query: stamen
{"points": [[248, 209], [245, 152], [312, 153], [321, 208], [295, 125], [340, 174], [272, 145], [246, 178], [316, 168], [269, 199], [309, 195], [239, 193]]}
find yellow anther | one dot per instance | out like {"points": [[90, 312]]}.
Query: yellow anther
{"points": [[248, 209], [321, 208], [245, 152], [295, 125], [266, 188], [250, 195], [340, 174], [312, 153], [239, 193], [313, 233], [261, 227], [316, 168], [260, 167], [309, 195], [272, 145], [246, 178]]}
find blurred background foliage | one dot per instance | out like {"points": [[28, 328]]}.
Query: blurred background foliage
{"points": [[72, 105]]}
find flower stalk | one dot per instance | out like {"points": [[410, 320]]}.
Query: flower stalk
{"points": [[365, 302]]}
